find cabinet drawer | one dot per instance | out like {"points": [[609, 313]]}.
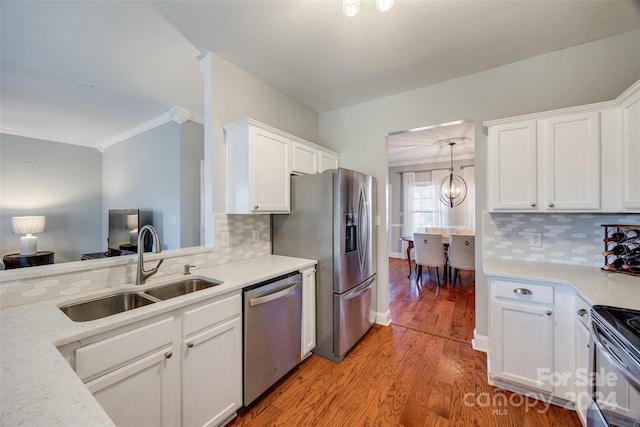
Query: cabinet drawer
{"points": [[104, 356], [211, 313], [523, 291]]}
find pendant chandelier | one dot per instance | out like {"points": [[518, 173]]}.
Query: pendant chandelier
{"points": [[453, 189]]}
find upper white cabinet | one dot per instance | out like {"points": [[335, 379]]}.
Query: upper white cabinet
{"points": [[630, 101], [309, 158], [257, 169], [260, 160], [551, 164], [578, 159]]}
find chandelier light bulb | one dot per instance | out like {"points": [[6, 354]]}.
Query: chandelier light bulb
{"points": [[384, 5], [350, 7]]}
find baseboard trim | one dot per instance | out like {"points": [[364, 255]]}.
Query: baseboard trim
{"points": [[396, 255], [383, 319], [480, 342]]}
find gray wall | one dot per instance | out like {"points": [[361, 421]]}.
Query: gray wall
{"points": [[146, 172], [60, 181], [592, 72]]}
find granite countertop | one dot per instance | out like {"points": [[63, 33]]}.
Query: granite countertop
{"points": [[38, 387], [595, 285]]}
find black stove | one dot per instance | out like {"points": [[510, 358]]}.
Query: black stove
{"points": [[623, 322]]}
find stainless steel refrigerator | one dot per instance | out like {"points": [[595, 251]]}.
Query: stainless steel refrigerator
{"points": [[332, 221]]}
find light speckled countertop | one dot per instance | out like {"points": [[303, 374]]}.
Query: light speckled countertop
{"points": [[39, 388], [595, 285]]}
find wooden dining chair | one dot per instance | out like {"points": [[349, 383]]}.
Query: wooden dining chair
{"points": [[462, 254], [429, 252]]}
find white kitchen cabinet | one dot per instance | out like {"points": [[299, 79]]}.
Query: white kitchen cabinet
{"points": [[212, 362], [304, 158], [513, 166], [521, 335], [546, 164], [308, 338], [630, 105], [571, 163], [182, 369], [327, 160], [258, 169], [582, 350], [133, 375]]}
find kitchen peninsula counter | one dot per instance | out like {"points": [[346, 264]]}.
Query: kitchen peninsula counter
{"points": [[595, 285], [39, 387]]}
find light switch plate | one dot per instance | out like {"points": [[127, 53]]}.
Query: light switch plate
{"points": [[535, 240]]}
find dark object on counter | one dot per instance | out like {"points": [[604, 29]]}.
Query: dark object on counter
{"points": [[20, 261], [107, 254], [621, 248]]}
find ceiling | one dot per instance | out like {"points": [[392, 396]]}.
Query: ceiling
{"points": [[84, 71], [431, 144]]}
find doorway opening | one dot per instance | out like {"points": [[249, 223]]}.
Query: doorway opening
{"points": [[420, 163]]}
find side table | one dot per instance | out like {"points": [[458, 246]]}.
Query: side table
{"points": [[20, 261]]}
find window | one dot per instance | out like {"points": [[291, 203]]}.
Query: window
{"points": [[427, 209]]}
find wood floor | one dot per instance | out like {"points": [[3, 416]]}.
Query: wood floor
{"points": [[420, 371]]}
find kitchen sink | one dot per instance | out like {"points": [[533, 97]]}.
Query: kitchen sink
{"points": [[181, 287], [105, 306]]}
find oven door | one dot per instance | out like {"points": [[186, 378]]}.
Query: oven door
{"points": [[615, 389]]}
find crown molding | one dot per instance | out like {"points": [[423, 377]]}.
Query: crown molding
{"points": [[175, 114]]}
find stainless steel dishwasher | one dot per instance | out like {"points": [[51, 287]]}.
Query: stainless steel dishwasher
{"points": [[272, 322]]}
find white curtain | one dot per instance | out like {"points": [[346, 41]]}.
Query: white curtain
{"points": [[441, 211], [469, 175], [408, 182]]}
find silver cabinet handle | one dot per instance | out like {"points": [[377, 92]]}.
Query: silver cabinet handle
{"points": [[533, 204], [550, 205], [548, 312], [190, 344], [255, 208], [583, 313], [168, 355], [522, 291]]}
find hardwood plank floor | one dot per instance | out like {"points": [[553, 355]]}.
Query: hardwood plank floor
{"points": [[420, 371]]}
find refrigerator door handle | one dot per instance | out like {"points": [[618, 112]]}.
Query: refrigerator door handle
{"points": [[357, 292], [363, 232]]}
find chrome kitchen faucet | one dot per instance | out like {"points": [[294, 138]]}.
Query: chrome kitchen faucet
{"points": [[142, 273]]}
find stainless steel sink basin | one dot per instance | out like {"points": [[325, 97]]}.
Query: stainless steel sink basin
{"points": [[105, 306], [182, 287]]}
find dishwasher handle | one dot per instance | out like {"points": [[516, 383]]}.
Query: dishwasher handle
{"points": [[270, 297]]}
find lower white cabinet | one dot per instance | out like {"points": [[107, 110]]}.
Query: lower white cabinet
{"points": [[181, 369], [522, 333], [582, 336], [308, 338], [326, 161]]}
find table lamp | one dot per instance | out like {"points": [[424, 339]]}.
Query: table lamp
{"points": [[28, 225]]}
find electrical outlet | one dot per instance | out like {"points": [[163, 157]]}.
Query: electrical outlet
{"points": [[256, 236], [224, 238], [535, 240]]}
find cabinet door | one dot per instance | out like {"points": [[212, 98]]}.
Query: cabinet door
{"points": [[583, 395], [513, 166], [522, 344], [571, 167], [326, 161], [304, 159], [631, 153], [269, 170], [142, 393], [212, 375], [308, 311]]}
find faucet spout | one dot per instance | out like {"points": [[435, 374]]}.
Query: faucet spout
{"points": [[142, 274]]}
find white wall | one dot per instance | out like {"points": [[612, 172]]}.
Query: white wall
{"points": [[592, 72], [63, 182], [232, 94]]}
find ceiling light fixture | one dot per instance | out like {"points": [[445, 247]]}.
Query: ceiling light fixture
{"points": [[384, 5], [352, 7], [453, 189]]}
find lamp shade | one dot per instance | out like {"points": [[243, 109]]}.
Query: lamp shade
{"points": [[132, 222], [28, 224]]}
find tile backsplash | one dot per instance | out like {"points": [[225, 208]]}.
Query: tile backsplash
{"points": [[27, 285], [566, 238]]}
